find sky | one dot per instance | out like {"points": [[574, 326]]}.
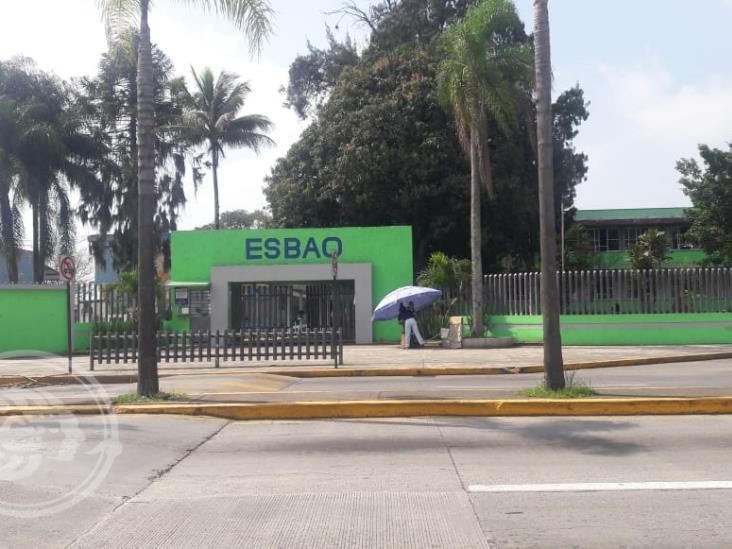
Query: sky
{"points": [[656, 74]]}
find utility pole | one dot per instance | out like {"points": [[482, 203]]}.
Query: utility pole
{"points": [[562, 222], [334, 308]]}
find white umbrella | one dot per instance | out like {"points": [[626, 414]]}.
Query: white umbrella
{"points": [[388, 307]]}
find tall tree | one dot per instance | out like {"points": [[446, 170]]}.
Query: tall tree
{"points": [[11, 170], [379, 130], [56, 153], [485, 73], [110, 102], [553, 363], [709, 186], [251, 15], [211, 119]]}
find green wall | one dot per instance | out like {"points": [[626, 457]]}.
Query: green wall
{"points": [[33, 320], [630, 329], [619, 259], [82, 333], [388, 249]]}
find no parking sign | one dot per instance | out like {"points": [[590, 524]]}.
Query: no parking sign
{"points": [[67, 268]]}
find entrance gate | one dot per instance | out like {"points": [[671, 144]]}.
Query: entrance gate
{"points": [[263, 305]]}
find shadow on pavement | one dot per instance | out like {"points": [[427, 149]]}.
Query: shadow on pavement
{"points": [[576, 434]]}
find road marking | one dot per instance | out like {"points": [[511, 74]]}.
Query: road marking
{"points": [[602, 486]]}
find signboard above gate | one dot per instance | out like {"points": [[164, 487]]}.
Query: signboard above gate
{"points": [[292, 248]]}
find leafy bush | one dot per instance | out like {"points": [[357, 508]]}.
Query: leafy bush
{"points": [[114, 326]]}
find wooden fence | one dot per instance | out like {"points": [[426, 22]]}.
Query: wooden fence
{"points": [[229, 345], [660, 291]]}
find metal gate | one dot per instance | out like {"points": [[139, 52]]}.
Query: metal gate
{"points": [[257, 306]]}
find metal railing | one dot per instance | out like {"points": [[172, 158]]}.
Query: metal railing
{"points": [[655, 291], [221, 346], [102, 303]]}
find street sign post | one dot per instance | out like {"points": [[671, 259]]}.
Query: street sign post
{"points": [[335, 309], [67, 271]]}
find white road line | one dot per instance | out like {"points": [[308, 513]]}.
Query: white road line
{"points": [[602, 486]]}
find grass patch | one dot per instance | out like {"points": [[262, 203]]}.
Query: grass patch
{"points": [[573, 389], [541, 391], [133, 398]]}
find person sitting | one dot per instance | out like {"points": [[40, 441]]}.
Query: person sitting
{"points": [[406, 315]]}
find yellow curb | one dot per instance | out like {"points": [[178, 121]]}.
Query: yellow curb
{"points": [[644, 361], [405, 408], [53, 410], [67, 379], [389, 372], [413, 408]]}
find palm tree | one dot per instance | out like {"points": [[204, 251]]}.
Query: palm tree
{"points": [[57, 155], [485, 72], [251, 15], [110, 99], [553, 363], [11, 169], [51, 152], [211, 119]]}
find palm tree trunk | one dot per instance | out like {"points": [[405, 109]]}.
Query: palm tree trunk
{"points": [[9, 236], [37, 274], [147, 366], [475, 238], [553, 364], [215, 170]]}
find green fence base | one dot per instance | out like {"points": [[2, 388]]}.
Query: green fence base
{"points": [[633, 329]]}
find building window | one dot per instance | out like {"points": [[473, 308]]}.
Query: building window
{"points": [[631, 235], [604, 240], [622, 238], [679, 241]]}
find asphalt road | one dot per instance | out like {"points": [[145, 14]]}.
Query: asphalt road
{"points": [[706, 378], [423, 482]]}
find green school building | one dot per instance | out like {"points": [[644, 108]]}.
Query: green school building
{"points": [[614, 231], [246, 279]]}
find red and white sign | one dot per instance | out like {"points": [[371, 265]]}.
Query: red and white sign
{"points": [[67, 268]]}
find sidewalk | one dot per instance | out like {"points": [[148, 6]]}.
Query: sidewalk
{"points": [[369, 358], [697, 387]]}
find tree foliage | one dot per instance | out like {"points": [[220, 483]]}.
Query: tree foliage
{"points": [[650, 250], [709, 186], [110, 103], [242, 219], [484, 81], [381, 150], [579, 251], [313, 75], [211, 119], [444, 272], [47, 149]]}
